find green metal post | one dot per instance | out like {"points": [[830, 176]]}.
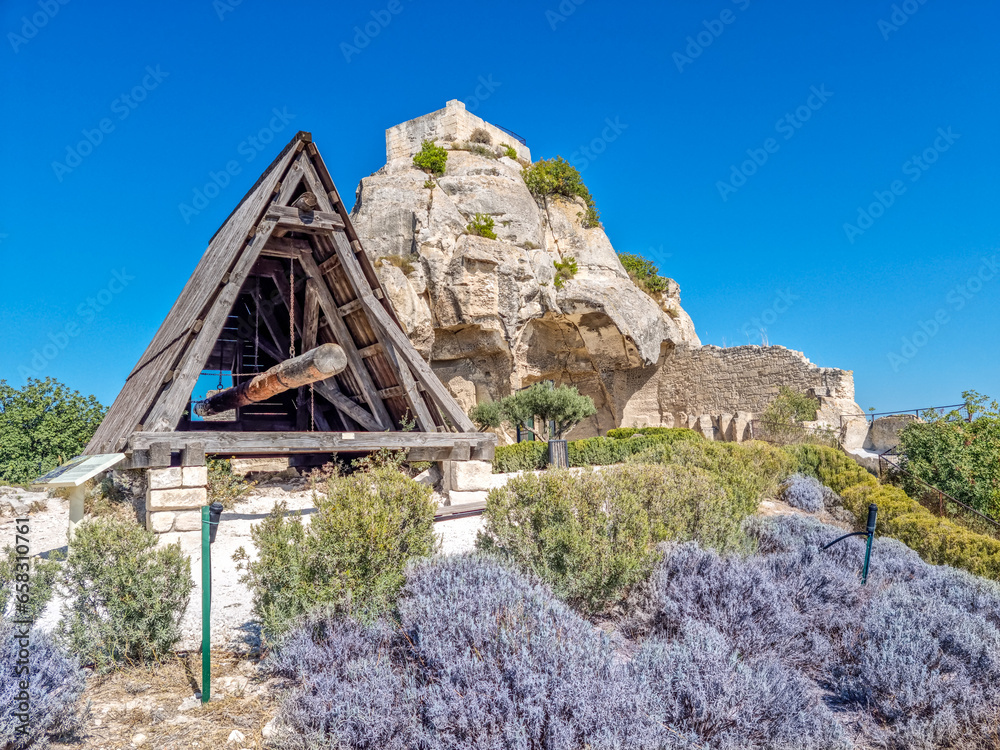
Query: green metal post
{"points": [[870, 533], [206, 607]]}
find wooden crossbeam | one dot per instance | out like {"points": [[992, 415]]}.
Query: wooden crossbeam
{"points": [[479, 444], [288, 217], [284, 247], [328, 389]]}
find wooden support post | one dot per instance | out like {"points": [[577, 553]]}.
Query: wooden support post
{"points": [[193, 454], [159, 455]]}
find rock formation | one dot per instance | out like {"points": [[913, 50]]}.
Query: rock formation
{"points": [[489, 317]]}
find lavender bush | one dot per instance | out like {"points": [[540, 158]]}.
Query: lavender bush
{"points": [[803, 492], [56, 683]]}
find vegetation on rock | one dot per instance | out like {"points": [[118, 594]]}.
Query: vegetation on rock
{"points": [[431, 157], [790, 408], [481, 226], [565, 270], [509, 151], [42, 425], [558, 177], [644, 273]]}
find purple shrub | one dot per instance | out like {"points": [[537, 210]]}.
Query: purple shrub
{"points": [[56, 684], [805, 493]]}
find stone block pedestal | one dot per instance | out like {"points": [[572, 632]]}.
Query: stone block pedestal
{"points": [[174, 499], [466, 481]]}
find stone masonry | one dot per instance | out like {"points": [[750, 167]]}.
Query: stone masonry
{"points": [[174, 498]]}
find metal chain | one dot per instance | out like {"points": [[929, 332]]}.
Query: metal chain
{"points": [[291, 308], [312, 408]]}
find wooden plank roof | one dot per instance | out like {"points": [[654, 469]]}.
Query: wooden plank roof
{"points": [[345, 304]]}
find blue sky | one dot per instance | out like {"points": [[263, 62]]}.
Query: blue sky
{"points": [[747, 135]]}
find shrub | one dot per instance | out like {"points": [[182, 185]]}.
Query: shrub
{"points": [[830, 466], [350, 556], [589, 535], [805, 493], [749, 472], [675, 433], [564, 407], [480, 135], [530, 455], [487, 415], [42, 574], [42, 425], [600, 451], [482, 226], [565, 270], [224, 486], [912, 659], [644, 273], [429, 184], [937, 540], [403, 262], [431, 158], [558, 177], [790, 407], [56, 684], [509, 151], [126, 594], [483, 658], [587, 540], [961, 458]]}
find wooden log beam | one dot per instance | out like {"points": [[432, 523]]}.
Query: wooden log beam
{"points": [[307, 202], [283, 247], [317, 364], [281, 443]]}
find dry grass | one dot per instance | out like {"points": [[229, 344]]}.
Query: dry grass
{"points": [[147, 700]]}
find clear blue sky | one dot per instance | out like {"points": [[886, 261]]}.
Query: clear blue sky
{"points": [[180, 91]]}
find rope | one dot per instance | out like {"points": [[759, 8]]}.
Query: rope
{"points": [[291, 308]]}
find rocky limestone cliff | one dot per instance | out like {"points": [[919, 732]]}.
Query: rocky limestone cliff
{"points": [[487, 314]]}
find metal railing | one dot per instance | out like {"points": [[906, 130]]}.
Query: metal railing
{"points": [[512, 134], [941, 410], [885, 461]]}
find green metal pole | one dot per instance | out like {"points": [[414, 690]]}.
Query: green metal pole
{"points": [[206, 608], [870, 529]]}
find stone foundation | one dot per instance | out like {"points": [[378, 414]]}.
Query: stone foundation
{"points": [[466, 481], [174, 498]]}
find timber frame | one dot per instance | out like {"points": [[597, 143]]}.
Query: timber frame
{"points": [[286, 272]]}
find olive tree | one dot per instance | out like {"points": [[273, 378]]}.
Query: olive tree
{"points": [[563, 408]]}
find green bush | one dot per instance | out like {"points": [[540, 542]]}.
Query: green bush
{"points": [[509, 151], [961, 458], [749, 472], [937, 540], [565, 270], [790, 408], [43, 425], [351, 555], [675, 433], [224, 486], [431, 157], [530, 455], [830, 466], [590, 536], [644, 273], [42, 575], [602, 451], [126, 594], [482, 226], [558, 177], [481, 135]]}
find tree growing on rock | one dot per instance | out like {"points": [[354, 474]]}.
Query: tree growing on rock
{"points": [[561, 408]]}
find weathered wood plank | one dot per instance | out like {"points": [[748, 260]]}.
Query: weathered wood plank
{"points": [[316, 221], [328, 390], [353, 306], [418, 408], [310, 316], [344, 338], [283, 247], [242, 443]]}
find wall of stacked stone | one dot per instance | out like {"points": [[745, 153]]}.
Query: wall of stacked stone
{"points": [[174, 498], [453, 123], [710, 379]]}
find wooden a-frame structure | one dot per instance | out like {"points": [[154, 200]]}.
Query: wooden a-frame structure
{"points": [[287, 269]]}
